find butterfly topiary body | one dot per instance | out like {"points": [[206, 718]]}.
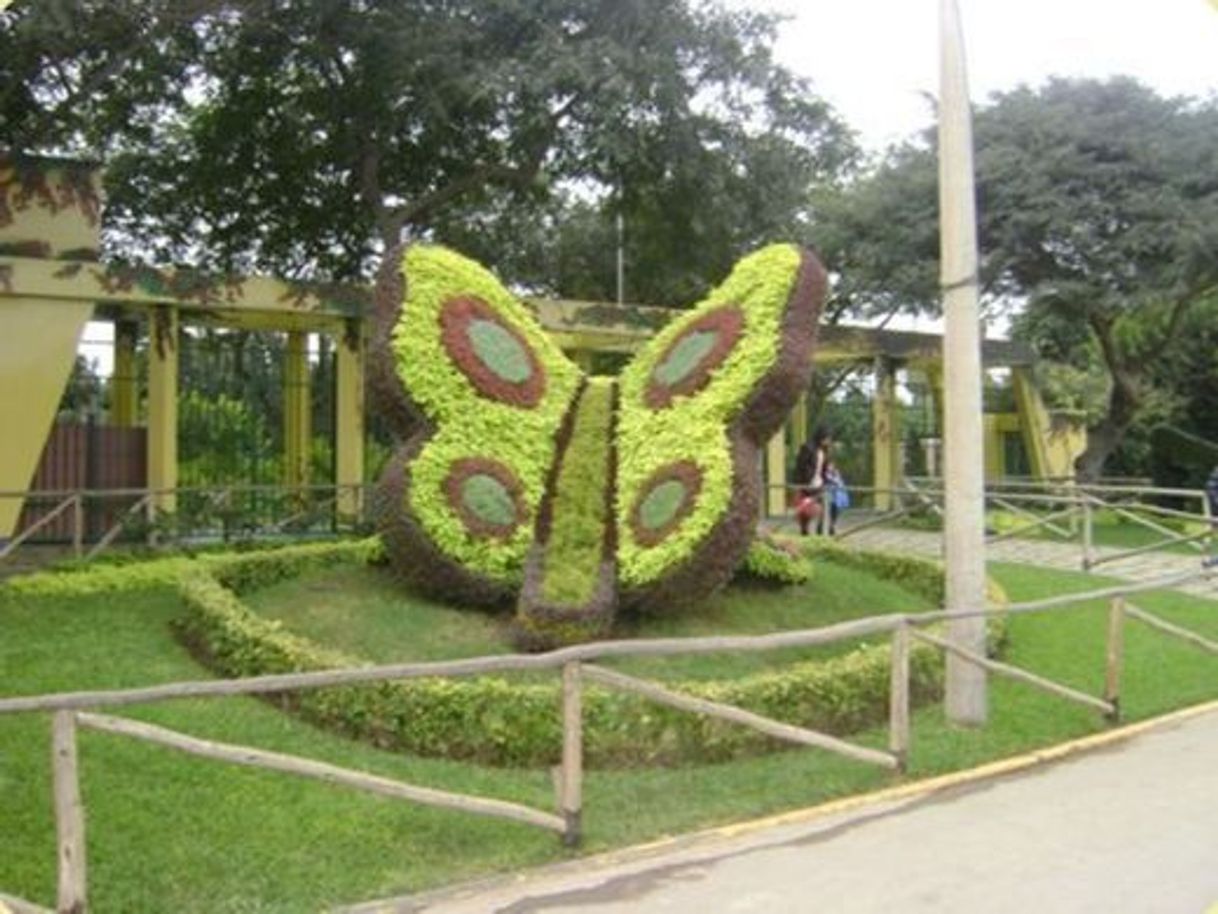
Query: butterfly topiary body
{"points": [[520, 479]]}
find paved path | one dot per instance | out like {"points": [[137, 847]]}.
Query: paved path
{"points": [[1102, 831], [1046, 554]]}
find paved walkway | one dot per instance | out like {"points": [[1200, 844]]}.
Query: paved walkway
{"points": [[1046, 554], [1101, 831]]}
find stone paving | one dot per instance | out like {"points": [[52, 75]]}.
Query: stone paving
{"points": [[1046, 554]]}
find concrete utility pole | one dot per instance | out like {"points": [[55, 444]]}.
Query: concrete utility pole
{"points": [[964, 465]]}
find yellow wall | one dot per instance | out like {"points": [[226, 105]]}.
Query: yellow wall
{"points": [[37, 348], [39, 336]]}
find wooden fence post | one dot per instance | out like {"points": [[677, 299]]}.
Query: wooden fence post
{"points": [[69, 815], [1115, 656], [898, 699], [78, 525], [570, 800], [1088, 533]]}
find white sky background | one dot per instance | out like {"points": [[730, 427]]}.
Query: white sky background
{"points": [[877, 60]]}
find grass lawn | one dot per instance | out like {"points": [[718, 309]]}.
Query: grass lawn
{"points": [[168, 832], [366, 613]]}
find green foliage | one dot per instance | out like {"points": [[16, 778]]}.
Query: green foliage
{"points": [[469, 424], [1098, 210], [95, 580], [662, 504], [576, 544], [300, 157], [694, 427], [223, 439], [685, 356], [500, 351], [770, 562], [487, 498], [242, 570]]}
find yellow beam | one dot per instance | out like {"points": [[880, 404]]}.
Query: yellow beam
{"points": [[124, 385], [55, 211], [37, 350], [297, 433], [349, 419], [582, 358], [995, 453], [885, 433], [163, 407], [799, 423], [776, 474], [1035, 422], [934, 380], [187, 289]]}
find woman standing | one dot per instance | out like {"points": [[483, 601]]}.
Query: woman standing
{"points": [[810, 466]]}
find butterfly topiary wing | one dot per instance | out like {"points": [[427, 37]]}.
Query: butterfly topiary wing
{"points": [[696, 405], [462, 371]]}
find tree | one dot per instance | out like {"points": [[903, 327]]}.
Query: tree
{"points": [[1098, 210], [302, 136]]}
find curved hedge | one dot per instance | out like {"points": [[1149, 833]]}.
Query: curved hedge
{"points": [[496, 721]]}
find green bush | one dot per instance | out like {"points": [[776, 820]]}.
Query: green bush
{"points": [[498, 721], [243, 570], [773, 562]]}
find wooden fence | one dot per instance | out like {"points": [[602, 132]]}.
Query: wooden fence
{"points": [[73, 710]]}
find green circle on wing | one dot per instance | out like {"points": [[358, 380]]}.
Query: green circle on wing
{"points": [[686, 356], [662, 504], [499, 350], [488, 500]]}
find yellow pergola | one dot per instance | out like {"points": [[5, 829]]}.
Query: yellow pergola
{"points": [[52, 283]]}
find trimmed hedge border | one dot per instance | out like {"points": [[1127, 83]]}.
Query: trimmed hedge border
{"points": [[495, 721], [492, 720]]}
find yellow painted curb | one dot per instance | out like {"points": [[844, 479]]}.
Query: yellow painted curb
{"points": [[958, 778], [919, 788]]}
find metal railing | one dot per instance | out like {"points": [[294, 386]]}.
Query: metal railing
{"points": [[1065, 512], [88, 522], [78, 709]]}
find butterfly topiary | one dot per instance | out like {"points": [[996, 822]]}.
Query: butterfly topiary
{"points": [[521, 479]]}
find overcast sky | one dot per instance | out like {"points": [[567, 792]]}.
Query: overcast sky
{"points": [[876, 59]]}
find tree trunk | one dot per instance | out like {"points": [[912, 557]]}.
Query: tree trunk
{"points": [[1106, 436]]}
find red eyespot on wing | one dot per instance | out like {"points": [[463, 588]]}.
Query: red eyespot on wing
{"points": [[494, 355], [666, 499], [687, 363]]}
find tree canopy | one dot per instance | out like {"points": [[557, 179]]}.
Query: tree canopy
{"points": [[1098, 224], [301, 136]]}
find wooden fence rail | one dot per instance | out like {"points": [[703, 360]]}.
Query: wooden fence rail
{"points": [[70, 710]]}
